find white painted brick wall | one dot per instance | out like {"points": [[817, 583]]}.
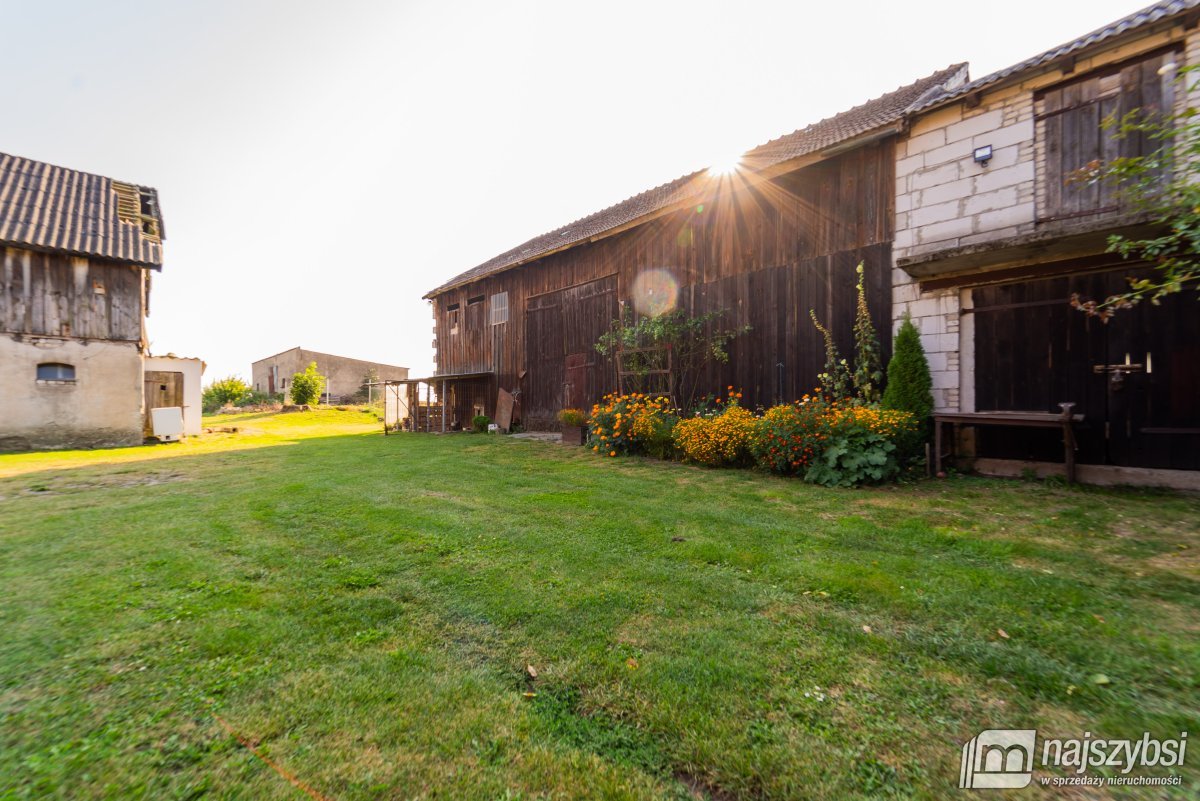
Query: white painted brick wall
{"points": [[944, 200], [939, 171]]}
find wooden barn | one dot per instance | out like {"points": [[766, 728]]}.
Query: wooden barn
{"points": [[765, 243]]}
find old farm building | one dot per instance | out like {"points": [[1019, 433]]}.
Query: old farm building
{"points": [[343, 375], [76, 252], [766, 243], [992, 238], [957, 196]]}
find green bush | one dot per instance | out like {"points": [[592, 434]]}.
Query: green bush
{"points": [[229, 391], [854, 456], [255, 398], [307, 386], [480, 423], [909, 388]]}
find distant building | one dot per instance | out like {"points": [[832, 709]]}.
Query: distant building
{"points": [[344, 375], [76, 251]]}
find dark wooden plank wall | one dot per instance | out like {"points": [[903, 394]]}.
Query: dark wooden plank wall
{"points": [[53, 295], [766, 254], [1033, 351], [565, 371]]}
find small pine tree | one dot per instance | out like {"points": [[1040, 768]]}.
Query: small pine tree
{"points": [[307, 386], [364, 393], [909, 386], [835, 381], [868, 372]]}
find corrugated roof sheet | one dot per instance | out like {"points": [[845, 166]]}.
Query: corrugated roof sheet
{"points": [[1138, 19], [859, 120], [45, 207]]}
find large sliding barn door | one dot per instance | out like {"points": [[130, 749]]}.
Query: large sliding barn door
{"points": [[1136, 379], [564, 369]]}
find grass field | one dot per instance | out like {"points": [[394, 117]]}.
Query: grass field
{"points": [[361, 610]]}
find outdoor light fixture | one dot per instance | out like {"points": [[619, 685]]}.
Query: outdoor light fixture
{"points": [[983, 155]]}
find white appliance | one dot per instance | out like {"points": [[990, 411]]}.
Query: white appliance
{"points": [[167, 422]]}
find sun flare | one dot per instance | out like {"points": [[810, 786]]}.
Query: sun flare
{"points": [[726, 165]]}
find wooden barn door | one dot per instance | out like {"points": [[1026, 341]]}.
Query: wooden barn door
{"points": [[1135, 379], [1151, 373], [561, 329], [162, 389]]}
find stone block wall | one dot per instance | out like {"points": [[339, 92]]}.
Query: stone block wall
{"points": [[945, 200]]}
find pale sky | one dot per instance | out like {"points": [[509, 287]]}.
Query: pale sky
{"points": [[322, 165]]}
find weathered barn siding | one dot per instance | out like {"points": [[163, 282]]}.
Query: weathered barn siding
{"points": [[49, 294], [765, 253]]}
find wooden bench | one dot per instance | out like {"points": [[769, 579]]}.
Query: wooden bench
{"points": [[1064, 420]]}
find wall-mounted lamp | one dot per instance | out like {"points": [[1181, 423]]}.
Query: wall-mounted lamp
{"points": [[983, 155]]}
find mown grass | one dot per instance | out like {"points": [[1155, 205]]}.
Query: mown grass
{"points": [[362, 610]]}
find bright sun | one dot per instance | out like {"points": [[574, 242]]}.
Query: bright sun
{"points": [[725, 165]]}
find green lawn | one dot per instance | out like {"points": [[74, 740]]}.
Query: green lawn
{"points": [[361, 610]]}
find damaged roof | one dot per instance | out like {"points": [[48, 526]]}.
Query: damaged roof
{"points": [[45, 207], [1138, 19], [864, 119]]}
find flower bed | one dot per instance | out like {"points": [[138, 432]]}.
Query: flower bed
{"points": [[834, 443], [633, 424]]}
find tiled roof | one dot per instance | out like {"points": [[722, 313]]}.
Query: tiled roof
{"points": [[1138, 19], [45, 207], [863, 119]]}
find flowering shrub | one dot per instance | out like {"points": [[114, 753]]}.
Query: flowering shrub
{"points": [[719, 439], [834, 443], [858, 446], [786, 437], [633, 423], [572, 417]]}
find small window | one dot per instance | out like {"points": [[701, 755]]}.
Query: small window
{"points": [[476, 299], [452, 314], [499, 308], [54, 371]]}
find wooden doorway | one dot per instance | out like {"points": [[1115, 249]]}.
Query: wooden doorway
{"points": [[162, 389], [561, 329], [1135, 379]]}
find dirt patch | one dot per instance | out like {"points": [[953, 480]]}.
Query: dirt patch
{"points": [[64, 486]]}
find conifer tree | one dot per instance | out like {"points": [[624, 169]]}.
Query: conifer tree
{"points": [[909, 386]]}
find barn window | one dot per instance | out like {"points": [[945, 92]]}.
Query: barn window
{"points": [[452, 314], [499, 309], [1077, 126], [55, 371], [138, 206], [476, 299]]}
